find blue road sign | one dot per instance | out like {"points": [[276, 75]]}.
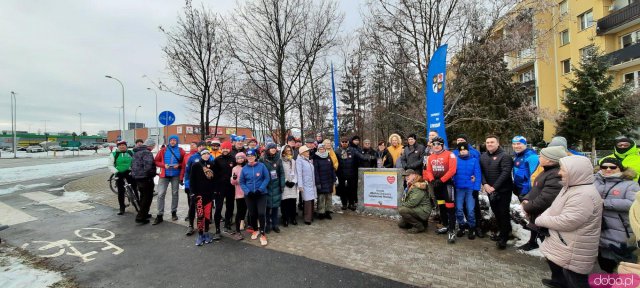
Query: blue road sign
{"points": [[167, 118]]}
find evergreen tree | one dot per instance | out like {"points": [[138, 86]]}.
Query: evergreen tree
{"points": [[595, 111]]}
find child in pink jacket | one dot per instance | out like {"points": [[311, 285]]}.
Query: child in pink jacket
{"points": [[241, 205]]}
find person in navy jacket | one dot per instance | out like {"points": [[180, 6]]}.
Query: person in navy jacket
{"points": [[525, 163], [254, 179]]}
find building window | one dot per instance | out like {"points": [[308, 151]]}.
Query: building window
{"points": [[564, 37], [632, 79], [586, 20], [526, 76], [630, 39], [566, 66], [564, 7], [584, 50]]}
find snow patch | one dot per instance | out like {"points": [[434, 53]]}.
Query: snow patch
{"points": [[56, 189], [76, 196], [15, 274], [19, 174], [21, 187]]}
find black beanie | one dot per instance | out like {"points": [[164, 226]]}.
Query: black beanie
{"points": [[463, 146], [413, 135], [612, 160]]}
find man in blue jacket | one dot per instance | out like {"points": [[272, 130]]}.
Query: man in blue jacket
{"points": [[467, 179], [524, 164], [473, 153]]}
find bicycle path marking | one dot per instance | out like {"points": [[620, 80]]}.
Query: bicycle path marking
{"points": [[89, 237]]}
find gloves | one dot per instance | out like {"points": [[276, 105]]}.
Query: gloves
{"points": [[289, 184], [437, 183], [318, 187]]}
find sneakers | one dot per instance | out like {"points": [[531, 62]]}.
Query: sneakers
{"points": [[142, 221], [200, 240], [228, 231], [249, 229], [263, 240], [189, 231], [174, 216], [528, 246], [442, 230], [207, 238], [460, 232], [216, 237], [452, 238], [158, 220], [237, 236], [254, 235]]}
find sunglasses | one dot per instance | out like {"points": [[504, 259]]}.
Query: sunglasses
{"points": [[437, 144], [609, 167], [344, 142]]}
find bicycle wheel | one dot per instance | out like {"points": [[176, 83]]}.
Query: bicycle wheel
{"points": [[112, 184], [133, 198]]}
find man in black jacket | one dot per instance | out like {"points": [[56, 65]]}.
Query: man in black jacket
{"points": [[497, 183], [413, 154], [368, 150], [222, 189], [143, 170], [349, 158]]}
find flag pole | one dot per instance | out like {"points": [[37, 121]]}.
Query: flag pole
{"points": [[336, 137]]}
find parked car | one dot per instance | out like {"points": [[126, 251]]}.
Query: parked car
{"points": [[55, 148], [34, 149]]}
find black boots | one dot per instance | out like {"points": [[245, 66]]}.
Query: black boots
{"points": [[158, 220]]}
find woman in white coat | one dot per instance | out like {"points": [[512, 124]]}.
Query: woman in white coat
{"points": [[306, 182], [290, 192]]}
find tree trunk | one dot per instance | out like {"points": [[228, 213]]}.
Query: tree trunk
{"points": [[593, 151]]}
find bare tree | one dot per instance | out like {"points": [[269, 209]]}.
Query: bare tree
{"points": [[275, 42], [198, 62]]}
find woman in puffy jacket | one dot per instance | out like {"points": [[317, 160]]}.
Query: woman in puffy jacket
{"points": [[306, 182], [241, 160], [325, 178], [618, 190]]}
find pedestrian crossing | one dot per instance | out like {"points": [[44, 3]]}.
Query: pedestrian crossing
{"points": [[11, 216]]}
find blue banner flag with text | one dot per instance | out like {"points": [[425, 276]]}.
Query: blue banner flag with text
{"points": [[336, 137], [436, 75]]}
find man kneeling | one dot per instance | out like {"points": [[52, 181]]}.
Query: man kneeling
{"points": [[416, 205]]}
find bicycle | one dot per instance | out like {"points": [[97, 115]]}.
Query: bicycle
{"points": [[131, 195]]}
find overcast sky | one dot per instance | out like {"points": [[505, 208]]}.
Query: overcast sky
{"points": [[55, 54]]}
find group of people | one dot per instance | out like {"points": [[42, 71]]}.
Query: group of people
{"points": [[579, 217]]}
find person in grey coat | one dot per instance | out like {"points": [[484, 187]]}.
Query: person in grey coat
{"points": [[306, 182], [618, 190], [413, 155]]}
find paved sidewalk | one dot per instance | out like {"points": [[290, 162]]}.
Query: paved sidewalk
{"points": [[377, 246]]}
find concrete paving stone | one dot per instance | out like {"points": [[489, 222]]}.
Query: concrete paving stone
{"points": [[377, 246]]}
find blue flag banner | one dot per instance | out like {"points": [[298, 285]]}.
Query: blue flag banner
{"points": [[436, 75], [336, 137]]}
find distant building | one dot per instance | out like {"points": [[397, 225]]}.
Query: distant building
{"points": [[186, 132]]}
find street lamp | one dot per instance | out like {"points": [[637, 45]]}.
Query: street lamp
{"points": [[80, 134], [46, 137], [156, 116], [123, 121], [14, 123], [119, 125], [135, 122]]}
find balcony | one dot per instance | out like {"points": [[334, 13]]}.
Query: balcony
{"points": [[625, 57], [620, 19]]}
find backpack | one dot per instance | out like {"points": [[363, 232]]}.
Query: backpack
{"points": [[115, 157]]}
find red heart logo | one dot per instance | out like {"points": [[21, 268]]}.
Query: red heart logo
{"points": [[391, 179]]}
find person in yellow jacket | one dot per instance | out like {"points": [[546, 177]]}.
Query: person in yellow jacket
{"points": [[395, 147], [627, 152]]}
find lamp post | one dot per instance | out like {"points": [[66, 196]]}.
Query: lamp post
{"points": [[156, 116], [123, 121], [80, 114], [46, 137], [14, 123], [135, 122], [119, 125]]}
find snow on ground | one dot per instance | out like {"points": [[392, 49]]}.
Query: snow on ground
{"points": [[56, 189], [20, 187], [58, 154], [76, 196], [19, 174], [14, 273]]}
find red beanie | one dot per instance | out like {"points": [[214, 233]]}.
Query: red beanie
{"points": [[226, 145]]}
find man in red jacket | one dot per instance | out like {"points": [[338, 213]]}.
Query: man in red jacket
{"points": [[169, 159], [441, 166]]}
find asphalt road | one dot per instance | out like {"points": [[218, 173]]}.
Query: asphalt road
{"points": [[161, 256]]}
